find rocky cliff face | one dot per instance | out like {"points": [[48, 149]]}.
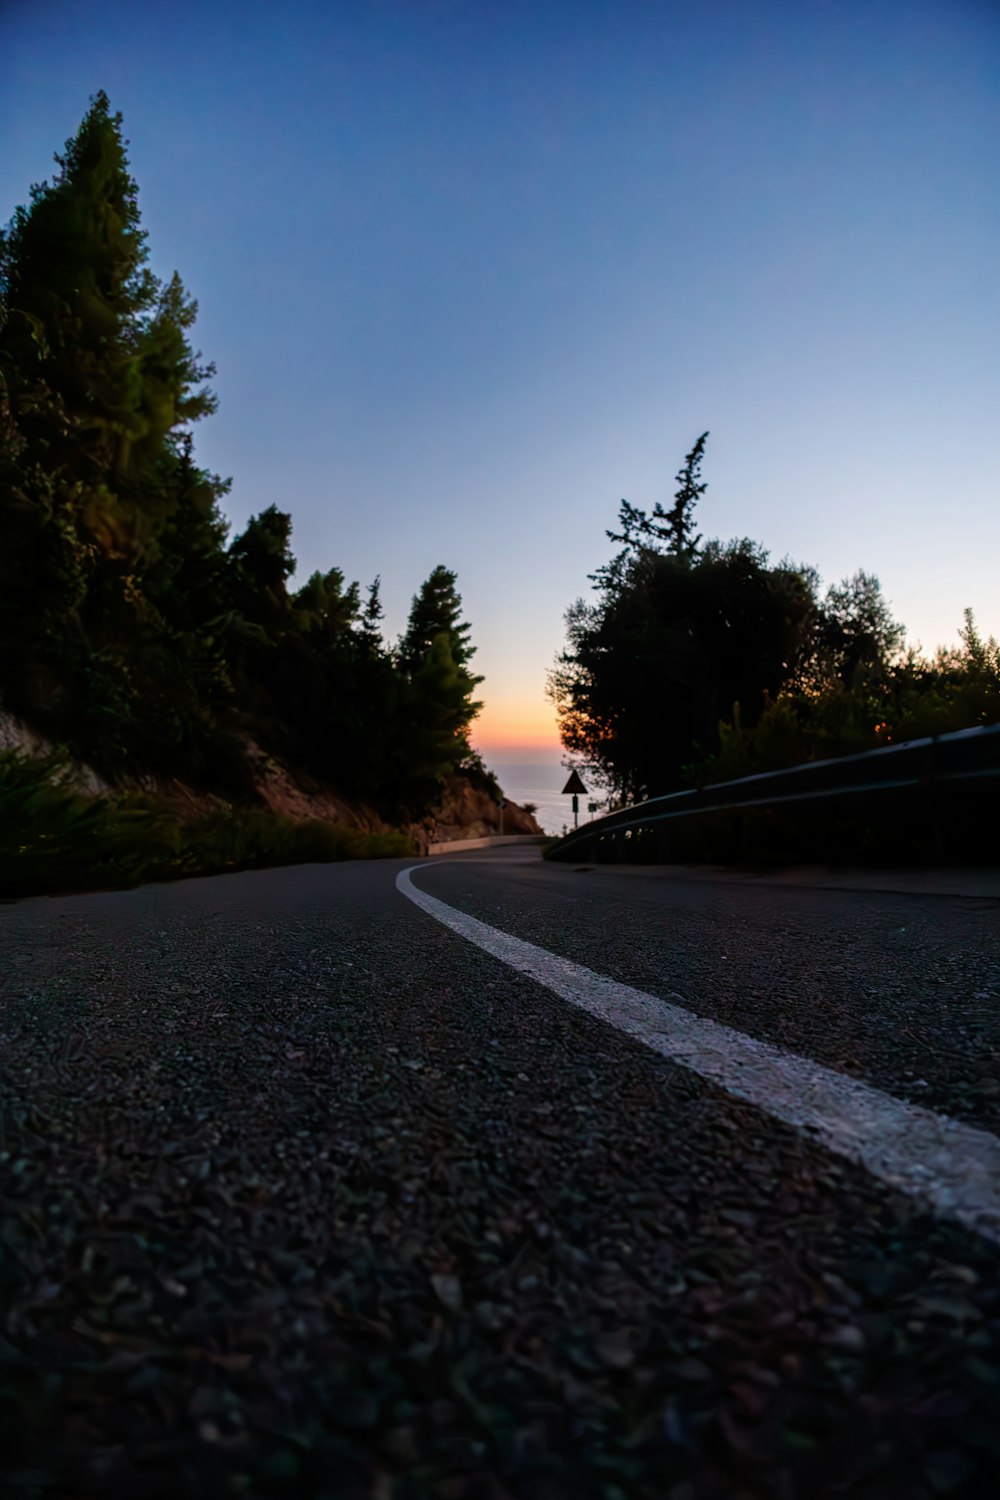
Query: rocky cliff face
{"points": [[300, 797], [465, 812]]}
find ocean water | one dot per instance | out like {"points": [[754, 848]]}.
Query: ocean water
{"points": [[542, 784]]}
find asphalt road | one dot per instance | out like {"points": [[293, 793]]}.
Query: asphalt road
{"points": [[303, 1194]]}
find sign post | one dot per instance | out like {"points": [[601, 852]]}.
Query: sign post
{"points": [[576, 786], [502, 804]]}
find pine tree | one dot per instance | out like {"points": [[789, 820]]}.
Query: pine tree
{"points": [[186, 577], [644, 535], [435, 610], [128, 628], [679, 520], [437, 703], [372, 616], [172, 391], [326, 604], [94, 349], [263, 562]]}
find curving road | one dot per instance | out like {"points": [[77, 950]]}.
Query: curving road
{"points": [[307, 1190]]}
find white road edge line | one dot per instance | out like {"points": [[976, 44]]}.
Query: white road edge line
{"points": [[950, 1168]]}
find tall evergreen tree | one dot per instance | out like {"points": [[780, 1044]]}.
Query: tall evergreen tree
{"points": [[103, 507], [94, 350], [128, 628], [263, 562], [327, 604], [679, 520], [662, 531], [372, 616], [438, 704], [436, 609]]}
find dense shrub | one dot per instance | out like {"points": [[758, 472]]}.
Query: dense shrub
{"points": [[54, 838]]}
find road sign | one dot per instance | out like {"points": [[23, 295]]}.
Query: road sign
{"points": [[576, 786], [502, 803]]}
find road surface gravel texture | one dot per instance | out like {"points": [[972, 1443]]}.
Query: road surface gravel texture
{"points": [[302, 1194]]}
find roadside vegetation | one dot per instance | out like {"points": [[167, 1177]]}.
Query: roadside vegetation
{"points": [[53, 838], [134, 630], [699, 662]]}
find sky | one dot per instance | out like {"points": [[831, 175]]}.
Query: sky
{"points": [[472, 272]]}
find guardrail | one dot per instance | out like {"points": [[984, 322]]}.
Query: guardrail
{"points": [[488, 841], [967, 761]]}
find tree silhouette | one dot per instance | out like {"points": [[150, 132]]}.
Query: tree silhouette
{"points": [[128, 628]]}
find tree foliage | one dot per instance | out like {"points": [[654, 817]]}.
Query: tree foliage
{"points": [[131, 627], [704, 662], [434, 654]]}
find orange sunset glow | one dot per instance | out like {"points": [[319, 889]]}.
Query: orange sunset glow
{"points": [[508, 725]]}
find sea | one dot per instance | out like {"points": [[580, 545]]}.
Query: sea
{"points": [[541, 782]]}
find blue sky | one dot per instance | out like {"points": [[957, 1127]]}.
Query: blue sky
{"points": [[472, 272]]}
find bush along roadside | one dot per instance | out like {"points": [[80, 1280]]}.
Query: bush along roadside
{"points": [[55, 839]]}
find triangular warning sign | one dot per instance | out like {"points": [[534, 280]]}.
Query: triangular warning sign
{"points": [[574, 784]]}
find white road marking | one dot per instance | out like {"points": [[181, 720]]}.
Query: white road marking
{"points": [[950, 1168]]}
